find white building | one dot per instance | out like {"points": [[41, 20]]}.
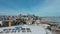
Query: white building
{"points": [[34, 30], [45, 25], [37, 21], [1, 22]]}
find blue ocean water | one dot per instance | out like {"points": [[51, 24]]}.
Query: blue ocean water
{"points": [[57, 20]]}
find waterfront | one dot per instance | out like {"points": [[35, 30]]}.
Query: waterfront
{"points": [[46, 22], [29, 16]]}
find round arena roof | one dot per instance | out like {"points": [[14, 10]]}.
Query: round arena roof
{"points": [[31, 29]]}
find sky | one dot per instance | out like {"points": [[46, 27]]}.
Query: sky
{"points": [[37, 7]]}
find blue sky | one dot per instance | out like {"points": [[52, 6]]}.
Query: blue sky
{"points": [[37, 7]]}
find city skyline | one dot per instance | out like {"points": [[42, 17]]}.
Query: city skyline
{"points": [[37, 7]]}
